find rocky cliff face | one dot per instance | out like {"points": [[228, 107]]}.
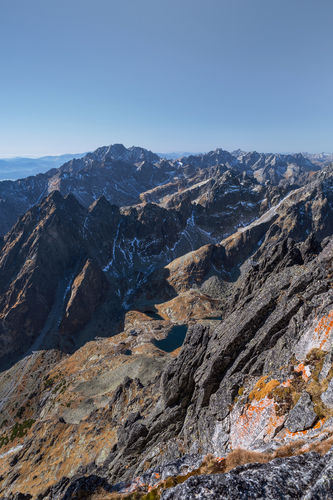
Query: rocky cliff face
{"points": [[151, 358]]}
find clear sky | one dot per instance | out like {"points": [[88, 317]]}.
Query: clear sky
{"points": [[168, 75]]}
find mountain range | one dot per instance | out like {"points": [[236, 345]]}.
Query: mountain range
{"points": [[166, 328], [129, 176]]}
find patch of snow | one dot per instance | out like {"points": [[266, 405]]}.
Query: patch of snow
{"points": [[12, 450]]}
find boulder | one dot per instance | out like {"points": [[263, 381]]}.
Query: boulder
{"points": [[302, 416]]}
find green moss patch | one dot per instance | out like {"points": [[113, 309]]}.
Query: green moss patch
{"points": [[21, 430]]}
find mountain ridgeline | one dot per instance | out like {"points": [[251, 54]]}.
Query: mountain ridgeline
{"points": [[165, 321], [122, 175]]}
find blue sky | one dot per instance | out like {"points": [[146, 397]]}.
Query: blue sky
{"points": [[185, 75]]}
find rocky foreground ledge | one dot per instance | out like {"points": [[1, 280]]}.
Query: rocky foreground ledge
{"points": [[306, 477], [302, 477]]}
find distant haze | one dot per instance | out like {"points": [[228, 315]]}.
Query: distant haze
{"points": [[175, 155], [18, 167]]}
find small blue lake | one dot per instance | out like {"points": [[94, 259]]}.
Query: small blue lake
{"points": [[174, 340]]}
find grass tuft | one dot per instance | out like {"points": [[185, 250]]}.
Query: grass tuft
{"points": [[261, 389]]}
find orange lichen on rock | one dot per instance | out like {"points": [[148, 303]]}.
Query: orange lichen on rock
{"points": [[318, 425], [261, 389], [259, 420], [305, 369], [324, 328], [318, 336]]}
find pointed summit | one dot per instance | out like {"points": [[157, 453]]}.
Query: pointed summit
{"points": [[102, 208]]}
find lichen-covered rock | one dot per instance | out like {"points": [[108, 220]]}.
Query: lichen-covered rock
{"points": [[302, 416], [288, 479]]}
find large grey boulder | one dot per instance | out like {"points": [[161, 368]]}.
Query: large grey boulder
{"points": [[302, 416]]}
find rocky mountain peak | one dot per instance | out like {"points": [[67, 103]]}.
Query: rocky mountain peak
{"points": [[238, 153], [100, 205]]}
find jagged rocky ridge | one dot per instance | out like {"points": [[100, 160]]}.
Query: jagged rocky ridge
{"points": [[122, 414], [123, 176]]}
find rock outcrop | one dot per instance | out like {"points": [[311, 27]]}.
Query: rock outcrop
{"points": [[302, 477], [302, 416], [87, 291]]}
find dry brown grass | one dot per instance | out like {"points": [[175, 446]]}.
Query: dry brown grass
{"points": [[243, 457], [322, 447], [315, 388], [261, 389], [211, 465], [289, 450]]}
